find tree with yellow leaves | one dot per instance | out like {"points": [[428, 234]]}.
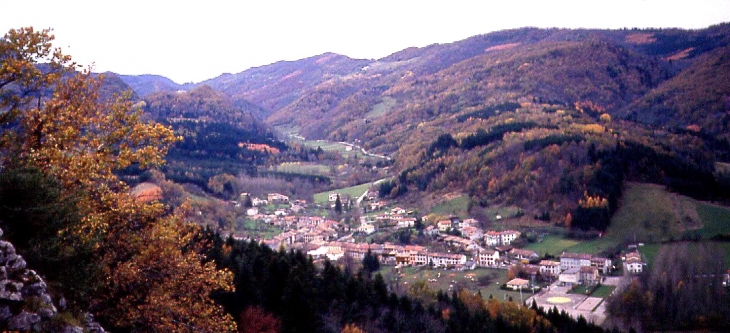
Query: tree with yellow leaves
{"points": [[150, 278]]}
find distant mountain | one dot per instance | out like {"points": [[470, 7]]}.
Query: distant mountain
{"points": [[145, 85], [277, 85], [539, 118]]}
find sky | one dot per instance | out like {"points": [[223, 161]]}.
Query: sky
{"points": [[191, 41]]}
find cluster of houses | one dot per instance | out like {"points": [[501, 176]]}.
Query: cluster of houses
{"points": [[392, 254], [472, 247]]}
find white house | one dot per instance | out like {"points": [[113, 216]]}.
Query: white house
{"points": [[633, 263], [574, 260], [509, 236], [549, 268], [446, 259], [366, 228], [407, 222], [488, 258], [398, 211], [492, 238], [517, 284], [444, 225], [570, 276]]}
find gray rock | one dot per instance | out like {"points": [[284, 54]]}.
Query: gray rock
{"points": [[24, 321], [16, 264], [48, 312], [46, 298], [92, 326], [71, 329], [7, 250], [10, 290], [5, 313]]}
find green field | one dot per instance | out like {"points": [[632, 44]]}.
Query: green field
{"points": [[256, 229], [603, 291], [302, 168], [353, 191], [381, 108], [485, 280], [648, 213], [554, 245], [715, 220], [333, 146], [457, 206]]}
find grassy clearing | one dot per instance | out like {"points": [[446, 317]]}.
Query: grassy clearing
{"points": [[256, 229], [648, 213], [715, 220], [653, 214], [302, 168], [353, 191], [457, 206], [333, 147], [486, 280], [554, 245], [381, 108], [603, 291]]}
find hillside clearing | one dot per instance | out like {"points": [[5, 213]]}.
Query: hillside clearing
{"points": [[553, 245], [353, 192]]}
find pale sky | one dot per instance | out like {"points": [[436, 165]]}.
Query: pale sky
{"points": [[191, 41]]}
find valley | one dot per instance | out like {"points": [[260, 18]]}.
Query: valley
{"points": [[423, 157], [543, 180]]}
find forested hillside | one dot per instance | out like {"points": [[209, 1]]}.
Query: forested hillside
{"points": [[217, 136], [537, 118]]}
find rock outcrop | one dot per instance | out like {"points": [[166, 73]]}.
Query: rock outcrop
{"points": [[25, 303]]}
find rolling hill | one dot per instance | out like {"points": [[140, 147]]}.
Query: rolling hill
{"points": [[550, 120]]}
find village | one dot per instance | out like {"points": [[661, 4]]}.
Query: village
{"points": [[456, 245], [467, 246]]}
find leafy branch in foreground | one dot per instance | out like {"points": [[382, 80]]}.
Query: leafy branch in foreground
{"points": [[53, 121]]}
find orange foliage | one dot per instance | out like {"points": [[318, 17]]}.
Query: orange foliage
{"points": [[259, 147], [568, 220], [352, 328], [589, 201], [446, 314]]}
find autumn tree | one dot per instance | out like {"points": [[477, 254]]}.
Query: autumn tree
{"points": [[52, 119], [351, 328]]}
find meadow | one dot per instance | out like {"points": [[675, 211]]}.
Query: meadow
{"points": [[487, 281], [353, 192]]}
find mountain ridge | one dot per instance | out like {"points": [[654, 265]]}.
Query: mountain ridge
{"points": [[524, 112]]}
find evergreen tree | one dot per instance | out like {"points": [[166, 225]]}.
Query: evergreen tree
{"points": [[370, 263], [338, 205]]}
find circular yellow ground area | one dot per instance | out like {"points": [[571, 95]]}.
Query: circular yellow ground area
{"points": [[558, 300]]}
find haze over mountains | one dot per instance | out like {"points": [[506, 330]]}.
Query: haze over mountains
{"points": [[523, 111], [620, 65]]}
